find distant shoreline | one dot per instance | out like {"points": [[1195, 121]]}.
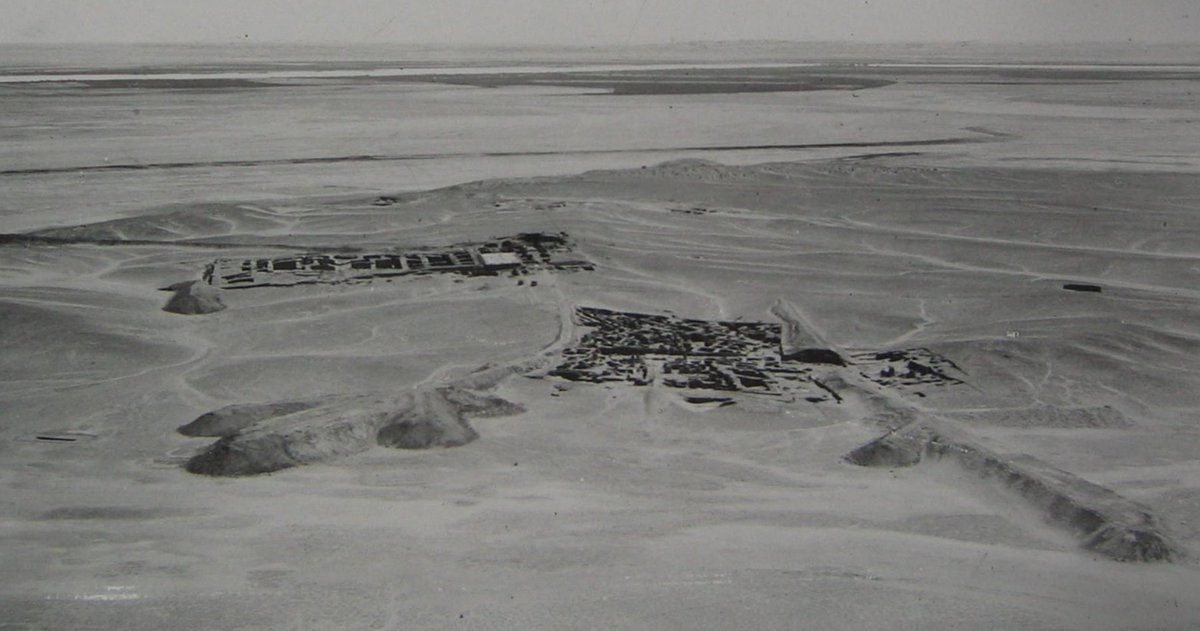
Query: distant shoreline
{"points": [[20, 77], [151, 75]]}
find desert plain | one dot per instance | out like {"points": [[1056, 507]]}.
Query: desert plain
{"points": [[1032, 229]]}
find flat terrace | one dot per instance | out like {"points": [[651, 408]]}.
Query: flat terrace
{"points": [[518, 254], [729, 357]]}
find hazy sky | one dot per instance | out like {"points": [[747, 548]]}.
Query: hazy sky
{"points": [[596, 22]]}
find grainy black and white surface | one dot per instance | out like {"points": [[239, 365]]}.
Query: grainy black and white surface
{"points": [[751, 337]]}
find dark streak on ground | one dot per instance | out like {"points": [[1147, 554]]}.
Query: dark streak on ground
{"points": [[673, 81], [493, 154]]}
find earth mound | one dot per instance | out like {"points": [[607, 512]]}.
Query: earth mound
{"points": [[1104, 521], [194, 298], [232, 419], [420, 431], [479, 405], [433, 421], [815, 356], [262, 438], [340, 426]]}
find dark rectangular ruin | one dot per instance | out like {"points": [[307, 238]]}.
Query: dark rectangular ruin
{"points": [[744, 357], [518, 255]]}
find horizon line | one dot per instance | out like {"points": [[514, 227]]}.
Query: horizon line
{"points": [[689, 42]]}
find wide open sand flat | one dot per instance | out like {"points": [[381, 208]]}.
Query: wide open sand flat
{"points": [[250, 143], [613, 506]]}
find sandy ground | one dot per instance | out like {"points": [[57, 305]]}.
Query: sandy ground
{"points": [[613, 506], [617, 506]]}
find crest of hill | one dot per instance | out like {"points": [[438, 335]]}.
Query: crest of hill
{"points": [[203, 220]]}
